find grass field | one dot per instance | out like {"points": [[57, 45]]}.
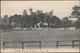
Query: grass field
{"points": [[48, 38]]}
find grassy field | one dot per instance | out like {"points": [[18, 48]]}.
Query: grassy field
{"points": [[48, 38]]}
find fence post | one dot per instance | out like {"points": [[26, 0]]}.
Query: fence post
{"points": [[57, 44], [72, 44], [40, 44], [22, 45], [3, 45]]}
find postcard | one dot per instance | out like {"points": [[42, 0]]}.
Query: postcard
{"points": [[40, 26]]}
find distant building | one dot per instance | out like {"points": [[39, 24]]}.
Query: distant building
{"points": [[72, 28], [24, 13], [46, 14], [30, 11], [51, 13], [39, 11]]}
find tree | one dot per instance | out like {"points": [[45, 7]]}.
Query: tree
{"points": [[65, 22], [35, 20], [76, 14], [26, 21], [15, 20], [5, 20], [77, 24], [54, 21]]}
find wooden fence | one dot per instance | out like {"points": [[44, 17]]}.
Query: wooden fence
{"points": [[57, 43], [22, 43], [73, 45]]}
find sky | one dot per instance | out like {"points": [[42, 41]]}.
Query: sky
{"points": [[60, 8]]}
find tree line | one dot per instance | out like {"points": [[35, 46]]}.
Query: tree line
{"points": [[40, 20]]}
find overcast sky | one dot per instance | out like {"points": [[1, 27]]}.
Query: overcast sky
{"points": [[60, 8]]}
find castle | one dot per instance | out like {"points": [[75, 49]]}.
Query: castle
{"points": [[38, 12]]}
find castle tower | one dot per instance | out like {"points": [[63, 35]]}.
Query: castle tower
{"points": [[38, 12], [30, 11], [24, 13], [51, 13]]}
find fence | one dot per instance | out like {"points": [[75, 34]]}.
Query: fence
{"points": [[58, 43], [22, 43], [74, 42], [39, 42]]}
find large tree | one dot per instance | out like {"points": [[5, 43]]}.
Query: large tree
{"points": [[65, 22], [15, 20], [76, 14]]}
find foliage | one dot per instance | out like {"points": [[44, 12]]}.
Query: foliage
{"points": [[76, 14]]}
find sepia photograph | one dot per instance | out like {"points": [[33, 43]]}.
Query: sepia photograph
{"points": [[40, 24]]}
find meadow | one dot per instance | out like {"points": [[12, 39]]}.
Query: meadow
{"points": [[48, 38]]}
